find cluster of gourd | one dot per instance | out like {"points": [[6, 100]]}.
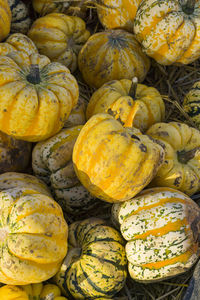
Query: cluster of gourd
{"points": [[116, 148]]}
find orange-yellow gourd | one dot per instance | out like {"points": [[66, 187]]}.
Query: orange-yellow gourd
{"points": [[5, 20]]}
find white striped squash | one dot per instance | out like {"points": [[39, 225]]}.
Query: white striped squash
{"points": [[161, 227], [20, 21]]}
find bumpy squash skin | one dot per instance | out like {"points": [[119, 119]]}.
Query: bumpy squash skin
{"points": [[112, 55], [32, 109], [114, 163], [36, 291], [14, 154], [95, 265], [60, 37], [119, 14], [161, 227], [142, 110], [181, 168], [20, 21], [191, 104], [168, 31], [33, 232], [5, 20]]}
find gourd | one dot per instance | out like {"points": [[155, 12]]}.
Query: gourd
{"points": [[114, 163], [161, 227], [20, 21], [181, 168], [130, 103], [37, 96], [5, 20], [191, 104], [78, 114], [44, 7], [33, 232], [14, 154], [119, 14], [169, 30], [60, 37], [95, 265], [112, 55], [36, 291], [52, 162]]}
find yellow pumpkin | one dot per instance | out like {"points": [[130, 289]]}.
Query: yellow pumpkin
{"points": [[112, 55], [33, 231], [130, 103], [44, 7], [117, 14], [181, 168], [5, 20], [161, 227], [169, 30], [114, 163], [60, 37], [78, 114], [36, 291], [18, 42], [36, 95]]}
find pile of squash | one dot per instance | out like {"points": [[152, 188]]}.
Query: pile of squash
{"points": [[62, 156]]}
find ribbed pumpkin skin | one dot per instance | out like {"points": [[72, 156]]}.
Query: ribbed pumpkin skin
{"points": [[34, 111], [160, 226], [36, 291], [44, 7], [114, 163], [78, 114], [119, 14], [191, 103], [95, 265], [112, 55], [5, 20], [33, 232], [14, 154], [167, 32], [60, 37], [18, 42], [181, 168], [20, 21], [52, 162], [141, 111]]}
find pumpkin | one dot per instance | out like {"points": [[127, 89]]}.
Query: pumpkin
{"points": [[161, 227], [36, 291], [78, 114], [112, 55], [181, 168], [14, 154], [33, 232], [95, 265], [130, 103], [44, 7], [52, 162], [18, 42], [191, 104], [60, 37], [5, 20], [117, 14], [114, 163], [20, 21], [169, 30], [37, 96]]}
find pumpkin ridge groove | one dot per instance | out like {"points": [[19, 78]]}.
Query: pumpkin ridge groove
{"points": [[105, 260]]}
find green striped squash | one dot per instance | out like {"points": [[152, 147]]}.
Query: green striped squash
{"points": [[161, 227], [21, 20], [95, 265], [191, 103]]}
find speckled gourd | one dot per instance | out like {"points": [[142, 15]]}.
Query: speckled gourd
{"points": [[21, 20], [5, 20]]}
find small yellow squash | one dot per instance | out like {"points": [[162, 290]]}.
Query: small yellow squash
{"points": [[112, 55], [36, 95], [5, 20], [78, 114], [60, 37], [114, 163], [95, 265], [44, 7], [130, 103], [161, 227], [181, 168]]}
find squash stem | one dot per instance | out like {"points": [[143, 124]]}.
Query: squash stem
{"points": [[34, 75], [185, 156], [188, 6], [133, 88]]}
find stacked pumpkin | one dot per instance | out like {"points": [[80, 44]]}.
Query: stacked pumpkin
{"points": [[114, 148]]}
